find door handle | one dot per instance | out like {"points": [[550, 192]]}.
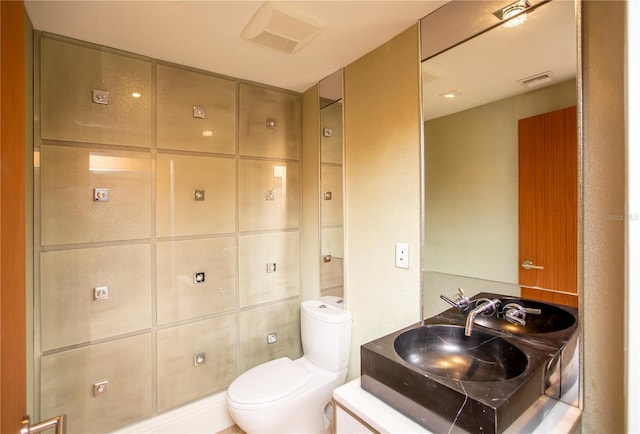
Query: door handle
{"points": [[55, 422], [528, 265]]}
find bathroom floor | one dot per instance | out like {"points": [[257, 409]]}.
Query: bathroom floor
{"points": [[235, 429]]}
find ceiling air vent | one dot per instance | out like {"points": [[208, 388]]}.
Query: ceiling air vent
{"points": [[281, 27], [536, 80]]}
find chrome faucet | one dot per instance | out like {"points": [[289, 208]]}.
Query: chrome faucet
{"points": [[487, 307]]}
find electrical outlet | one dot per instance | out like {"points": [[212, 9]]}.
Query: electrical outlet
{"points": [[402, 255]]}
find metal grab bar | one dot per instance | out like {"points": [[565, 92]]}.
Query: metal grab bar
{"points": [[55, 422]]}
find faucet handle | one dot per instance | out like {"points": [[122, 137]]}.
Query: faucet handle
{"points": [[517, 314], [461, 300], [532, 310]]}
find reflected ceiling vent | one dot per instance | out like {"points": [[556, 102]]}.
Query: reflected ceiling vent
{"points": [[282, 27], [536, 80]]}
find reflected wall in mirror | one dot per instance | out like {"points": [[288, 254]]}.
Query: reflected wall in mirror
{"points": [[331, 186], [479, 98]]}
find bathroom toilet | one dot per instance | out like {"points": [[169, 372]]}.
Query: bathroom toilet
{"points": [[290, 396]]}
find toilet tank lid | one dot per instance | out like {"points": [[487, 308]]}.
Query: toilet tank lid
{"points": [[325, 312], [268, 382]]}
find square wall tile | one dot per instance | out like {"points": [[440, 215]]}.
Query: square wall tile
{"points": [[332, 241], [70, 181], [195, 112], [334, 292], [331, 145], [91, 294], [269, 195], [195, 195], [269, 267], [331, 274], [270, 123], [180, 379], [331, 197], [282, 319], [184, 294], [69, 76], [68, 380]]}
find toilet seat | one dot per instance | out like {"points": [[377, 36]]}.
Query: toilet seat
{"points": [[268, 382]]}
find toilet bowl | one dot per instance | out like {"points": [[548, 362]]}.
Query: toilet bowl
{"points": [[289, 396]]}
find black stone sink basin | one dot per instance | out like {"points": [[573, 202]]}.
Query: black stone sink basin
{"points": [[444, 350], [551, 319], [448, 382]]}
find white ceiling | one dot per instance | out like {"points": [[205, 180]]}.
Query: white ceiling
{"points": [[206, 34]]}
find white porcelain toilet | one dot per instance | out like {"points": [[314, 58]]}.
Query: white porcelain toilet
{"points": [[290, 396]]}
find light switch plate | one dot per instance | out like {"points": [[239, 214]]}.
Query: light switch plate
{"points": [[402, 255]]}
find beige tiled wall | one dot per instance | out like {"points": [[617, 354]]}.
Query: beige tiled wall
{"points": [[261, 105], [331, 182], [70, 73], [190, 197], [178, 92], [178, 296], [331, 146], [280, 318], [68, 378], [269, 195], [331, 200], [259, 281], [70, 314], [180, 379], [69, 176], [177, 212]]}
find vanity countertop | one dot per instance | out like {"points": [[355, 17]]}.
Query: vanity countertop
{"points": [[546, 415]]}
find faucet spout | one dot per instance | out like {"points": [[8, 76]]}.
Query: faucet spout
{"points": [[488, 306]]}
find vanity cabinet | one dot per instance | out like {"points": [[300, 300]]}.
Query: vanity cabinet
{"points": [[346, 422], [358, 411]]}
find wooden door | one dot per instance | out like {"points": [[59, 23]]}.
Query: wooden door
{"points": [[548, 205], [12, 218]]}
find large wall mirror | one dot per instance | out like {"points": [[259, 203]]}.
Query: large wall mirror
{"points": [[501, 170], [331, 186], [495, 209]]}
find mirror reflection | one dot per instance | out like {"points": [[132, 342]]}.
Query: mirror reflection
{"points": [[331, 186], [501, 146]]}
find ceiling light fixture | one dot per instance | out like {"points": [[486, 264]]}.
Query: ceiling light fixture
{"points": [[451, 94], [281, 27], [514, 14]]}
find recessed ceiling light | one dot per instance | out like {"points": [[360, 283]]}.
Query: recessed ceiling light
{"points": [[451, 94], [513, 14]]}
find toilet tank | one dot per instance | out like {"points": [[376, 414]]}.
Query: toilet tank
{"points": [[326, 334]]}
